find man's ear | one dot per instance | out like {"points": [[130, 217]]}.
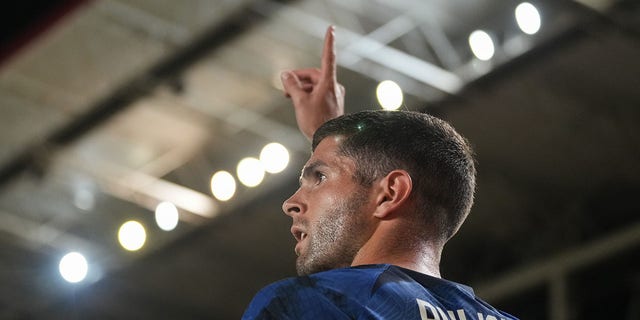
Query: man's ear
{"points": [[394, 191]]}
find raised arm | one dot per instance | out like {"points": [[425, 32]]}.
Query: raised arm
{"points": [[316, 94]]}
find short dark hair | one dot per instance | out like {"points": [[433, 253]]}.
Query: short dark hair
{"points": [[439, 160]]}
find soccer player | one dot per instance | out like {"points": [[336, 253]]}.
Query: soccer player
{"points": [[381, 194]]}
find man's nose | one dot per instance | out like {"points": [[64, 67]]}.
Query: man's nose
{"points": [[292, 205]]}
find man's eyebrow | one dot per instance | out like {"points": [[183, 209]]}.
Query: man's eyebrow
{"points": [[310, 168]]}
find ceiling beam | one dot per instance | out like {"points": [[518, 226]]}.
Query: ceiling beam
{"points": [[38, 235], [368, 48], [516, 281], [143, 21], [598, 5], [243, 119], [143, 189]]}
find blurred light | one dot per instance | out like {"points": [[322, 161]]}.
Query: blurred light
{"points": [[132, 235], [84, 199], [389, 95], [250, 172], [223, 185], [274, 157], [528, 18], [481, 45], [73, 267], [167, 216]]}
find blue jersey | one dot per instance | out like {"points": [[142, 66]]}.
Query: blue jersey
{"points": [[370, 292]]}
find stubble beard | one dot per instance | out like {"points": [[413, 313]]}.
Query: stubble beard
{"points": [[335, 242]]}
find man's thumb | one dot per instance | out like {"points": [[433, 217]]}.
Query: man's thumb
{"points": [[290, 83]]}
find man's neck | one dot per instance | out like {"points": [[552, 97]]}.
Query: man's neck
{"points": [[423, 257]]}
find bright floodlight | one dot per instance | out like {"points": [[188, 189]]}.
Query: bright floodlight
{"points": [[250, 172], [132, 235], [528, 18], [73, 267], [389, 95], [274, 157], [223, 185], [167, 216], [481, 45]]}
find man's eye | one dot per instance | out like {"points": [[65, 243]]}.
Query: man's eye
{"points": [[320, 177]]}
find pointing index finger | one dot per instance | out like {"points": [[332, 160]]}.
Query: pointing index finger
{"points": [[328, 63]]}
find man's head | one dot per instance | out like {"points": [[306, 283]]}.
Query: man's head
{"points": [[438, 159], [329, 211], [353, 155]]}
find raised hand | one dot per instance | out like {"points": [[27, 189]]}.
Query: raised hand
{"points": [[316, 94]]}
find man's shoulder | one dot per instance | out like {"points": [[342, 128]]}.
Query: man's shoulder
{"points": [[349, 277], [341, 291], [353, 281], [369, 292]]}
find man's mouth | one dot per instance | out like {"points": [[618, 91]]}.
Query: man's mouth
{"points": [[300, 236], [298, 233]]}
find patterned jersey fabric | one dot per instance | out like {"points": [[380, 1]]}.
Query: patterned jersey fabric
{"points": [[370, 292]]}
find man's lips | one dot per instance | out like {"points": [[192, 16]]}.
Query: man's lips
{"points": [[300, 236], [298, 233]]}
